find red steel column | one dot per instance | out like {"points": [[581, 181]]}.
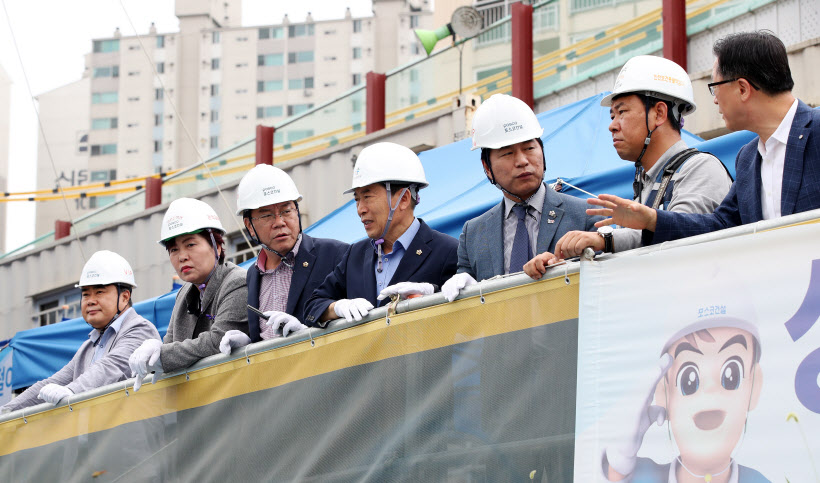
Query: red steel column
{"points": [[522, 53], [674, 31], [153, 192], [61, 229], [375, 101], [264, 144]]}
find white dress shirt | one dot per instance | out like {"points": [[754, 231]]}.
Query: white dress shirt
{"points": [[773, 154]]}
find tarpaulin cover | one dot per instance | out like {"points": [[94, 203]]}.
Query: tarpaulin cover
{"points": [[579, 149], [453, 392]]}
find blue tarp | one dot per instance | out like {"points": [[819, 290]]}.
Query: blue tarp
{"points": [[578, 148]]}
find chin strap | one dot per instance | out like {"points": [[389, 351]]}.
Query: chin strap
{"points": [[115, 317], [255, 239], [377, 244], [204, 284], [637, 184]]}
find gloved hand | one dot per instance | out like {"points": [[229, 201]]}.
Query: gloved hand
{"points": [[353, 309], [283, 320], [54, 393], [405, 289], [291, 326], [452, 287], [144, 360], [622, 456], [233, 339], [5, 409]]}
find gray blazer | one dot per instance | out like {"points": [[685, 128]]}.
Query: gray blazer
{"points": [[81, 375], [481, 244], [195, 331]]}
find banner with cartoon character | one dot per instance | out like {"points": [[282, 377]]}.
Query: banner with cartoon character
{"points": [[701, 363]]}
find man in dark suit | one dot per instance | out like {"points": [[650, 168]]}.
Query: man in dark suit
{"points": [[531, 218], [291, 264], [401, 256], [778, 173]]}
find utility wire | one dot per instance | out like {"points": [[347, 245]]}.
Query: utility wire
{"points": [[42, 130]]}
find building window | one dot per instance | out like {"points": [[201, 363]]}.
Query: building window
{"points": [[111, 71], [306, 83], [296, 109], [133, 99], [160, 41], [300, 30], [357, 79], [158, 94], [157, 119], [357, 52], [298, 57], [241, 65], [104, 123], [271, 33], [415, 48], [269, 59], [271, 85], [357, 26], [104, 97], [214, 142], [215, 37], [215, 63], [133, 73], [214, 90], [269, 111], [414, 21], [157, 145], [214, 116], [101, 149], [241, 39], [102, 46], [160, 67]]}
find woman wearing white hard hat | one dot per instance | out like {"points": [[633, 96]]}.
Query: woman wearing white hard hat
{"points": [[291, 265], [531, 218], [212, 300], [106, 283], [401, 255]]}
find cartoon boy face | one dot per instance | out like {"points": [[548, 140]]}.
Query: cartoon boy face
{"points": [[714, 380]]}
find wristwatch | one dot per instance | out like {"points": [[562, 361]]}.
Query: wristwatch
{"points": [[606, 234]]}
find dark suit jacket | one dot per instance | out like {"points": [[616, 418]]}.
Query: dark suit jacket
{"points": [[800, 192], [431, 257], [317, 257], [481, 244]]}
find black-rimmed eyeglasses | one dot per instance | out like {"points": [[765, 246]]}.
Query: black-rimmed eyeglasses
{"points": [[715, 84]]}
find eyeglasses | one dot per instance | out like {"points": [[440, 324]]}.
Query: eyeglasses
{"points": [[271, 217], [715, 84]]}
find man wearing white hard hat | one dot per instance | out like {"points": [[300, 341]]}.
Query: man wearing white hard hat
{"points": [[531, 218], [291, 265], [401, 255], [647, 105], [211, 302], [106, 283]]}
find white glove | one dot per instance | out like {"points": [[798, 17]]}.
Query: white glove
{"points": [[353, 309], [284, 322], [622, 456], [144, 360], [291, 326], [54, 393], [233, 339], [5, 409], [452, 287], [405, 289]]}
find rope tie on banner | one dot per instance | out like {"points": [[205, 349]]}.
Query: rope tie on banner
{"points": [[125, 387], [25, 421], [187, 377], [391, 307], [247, 357], [68, 401], [481, 292], [310, 334]]}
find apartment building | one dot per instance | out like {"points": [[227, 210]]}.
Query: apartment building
{"points": [[161, 101]]}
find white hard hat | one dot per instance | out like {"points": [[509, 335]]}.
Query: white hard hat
{"points": [[655, 77], [106, 268], [187, 215], [504, 120], [387, 162], [265, 185], [732, 313]]}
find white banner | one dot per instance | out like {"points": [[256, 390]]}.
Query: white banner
{"points": [[5, 375], [701, 363]]}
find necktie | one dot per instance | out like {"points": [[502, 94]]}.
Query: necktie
{"points": [[521, 250]]}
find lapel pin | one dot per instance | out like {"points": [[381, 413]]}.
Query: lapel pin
{"points": [[305, 264], [418, 252], [550, 221], [552, 214], [800, 137]]}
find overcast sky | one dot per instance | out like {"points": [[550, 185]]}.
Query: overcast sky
{"points": [[54, 35]]}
